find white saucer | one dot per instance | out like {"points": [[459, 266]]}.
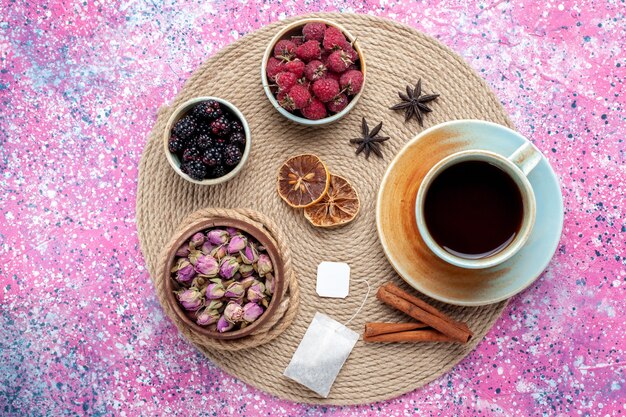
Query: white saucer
{"points": [[408, 254]]}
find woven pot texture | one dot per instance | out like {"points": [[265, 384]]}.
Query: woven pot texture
{"points": [[397, 55]]}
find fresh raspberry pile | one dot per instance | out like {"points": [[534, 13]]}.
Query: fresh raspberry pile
{"points": [[209, 141], [316, 74]]}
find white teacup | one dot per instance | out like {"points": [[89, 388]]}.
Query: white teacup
{"points": [[517, 167]]}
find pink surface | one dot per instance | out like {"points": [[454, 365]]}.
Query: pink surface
{"points": [[81, 329]]}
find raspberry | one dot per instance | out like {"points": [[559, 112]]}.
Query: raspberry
{"points": [[192, 154], [195, 169], [333, 75], [315, 110], [220, 126], [286, 80], [232, 155], [274, 66], [314, 70], [297, 40], [338, 103], [351, 81], [284, 49], [297, 98], [314, 31], [308, 51], [212, 157], [185, 127], [325, 89], [296, 67], [207, 110], [281, 96], [238, 138], [339, 61], [333, 38], [175, 144], [350, 51]]}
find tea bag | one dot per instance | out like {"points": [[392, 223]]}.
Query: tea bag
{"points": [[322, 352]]}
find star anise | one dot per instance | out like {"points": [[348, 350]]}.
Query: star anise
{"points": [[370, 142], [414, 103]]}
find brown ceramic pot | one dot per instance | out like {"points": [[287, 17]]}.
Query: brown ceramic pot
{"points": [[272, 251]]}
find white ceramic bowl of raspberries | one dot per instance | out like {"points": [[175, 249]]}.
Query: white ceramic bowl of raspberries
{"points": [[313, 72], [207, 140]]}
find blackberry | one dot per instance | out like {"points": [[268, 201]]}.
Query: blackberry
{"points": [[212, 157], [232, 155], [238, 138], [185, 127], [207, 110], [192, 154], [220, 126], [236, 126], [217, 171], [195, 169], [204, 128], [205, 142], [175, 144]]}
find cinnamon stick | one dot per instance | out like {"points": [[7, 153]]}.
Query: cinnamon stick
{"points": [[423, 335], [423, 305], [438, 321], [377, 329]]}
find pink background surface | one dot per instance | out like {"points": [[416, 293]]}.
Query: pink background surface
{"points": [[81, 331]]}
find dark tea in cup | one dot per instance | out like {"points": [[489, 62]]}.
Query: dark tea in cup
{"points": [[473, 209]]}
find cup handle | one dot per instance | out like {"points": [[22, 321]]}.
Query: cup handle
{"points": [[526, 157]]}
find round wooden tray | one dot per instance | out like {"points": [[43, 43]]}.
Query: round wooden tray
{"points": [[397, 55]]}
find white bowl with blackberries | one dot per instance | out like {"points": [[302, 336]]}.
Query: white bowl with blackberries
{"points": [[207, 140]]}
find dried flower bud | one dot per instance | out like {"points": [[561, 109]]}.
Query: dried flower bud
{"points": [[247, 281], [215, 291], [251, 312], [185, 275], [207, 265], [194, 255], [237, 243], [256, 292], [218, 236], [228, 267], [219, 252], [207, 247], [183, 251], [207, 316], [233, 313], [269, 284], [264, 265], [246, 270], [215, 305], [250, 254], [196, 240], [180, 264], [190, 299], [224, 325], [232, 231], [235, 290]]}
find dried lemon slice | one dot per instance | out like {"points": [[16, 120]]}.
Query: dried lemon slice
{"points": [[303, 180], [338, 206]]}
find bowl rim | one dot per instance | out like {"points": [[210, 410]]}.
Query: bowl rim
{"points": [[272, 251], [270, 95], [183, 109]]}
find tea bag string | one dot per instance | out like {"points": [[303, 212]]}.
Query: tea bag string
{"points": [[362, 303]]}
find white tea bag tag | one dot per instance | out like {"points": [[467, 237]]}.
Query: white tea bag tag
{"points": [[333, 279], [321, 354]]}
